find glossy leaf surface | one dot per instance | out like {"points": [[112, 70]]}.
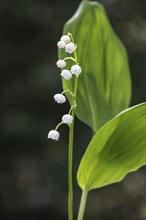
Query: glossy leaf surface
{"points": [[104, 87], [118, 148]]}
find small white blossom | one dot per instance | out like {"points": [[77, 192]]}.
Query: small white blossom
{"points": [[61, 63], [70, 48], [66, 74], [65, 38], [67, 119], [76, 69], [61, 44], [59, 98], [54, 135]]}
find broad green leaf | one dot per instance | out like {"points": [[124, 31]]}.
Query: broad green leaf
{"points": [[104, 87], [118, 148]]}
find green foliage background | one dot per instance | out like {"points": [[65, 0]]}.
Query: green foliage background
{"points": [[33, 170]]}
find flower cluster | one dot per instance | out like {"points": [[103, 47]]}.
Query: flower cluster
{"points": [[70, 47], [66, 42]]}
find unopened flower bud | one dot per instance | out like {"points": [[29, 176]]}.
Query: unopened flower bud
{"points": [[66, 74], [65, 38], [70, 48], [59, 98], [61, 44], [61, 63], [54, 135], [67, 119], [76, 69]]}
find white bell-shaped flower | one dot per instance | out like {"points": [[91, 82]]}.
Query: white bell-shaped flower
{"points": [[61, 63], [66, 74], [61, 44], [59, 98], [54, 135], [70, 48], [76, 69], [65, 38], [67, 119]]}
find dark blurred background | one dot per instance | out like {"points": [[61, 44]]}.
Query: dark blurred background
{"points": [[33, 177]]}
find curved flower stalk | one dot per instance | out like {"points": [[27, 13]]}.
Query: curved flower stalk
{"points": [[67, 43]]}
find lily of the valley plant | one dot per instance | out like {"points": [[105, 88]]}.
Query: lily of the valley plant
{"points": [[96, 81], [67, 43]]}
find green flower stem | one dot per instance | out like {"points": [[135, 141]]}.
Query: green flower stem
{"points": [[69, 34], [71, 109], [67, 90], [82, 205], [70, 159], [70, 151], [59, 125], [69, 58], [76, 86]]}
